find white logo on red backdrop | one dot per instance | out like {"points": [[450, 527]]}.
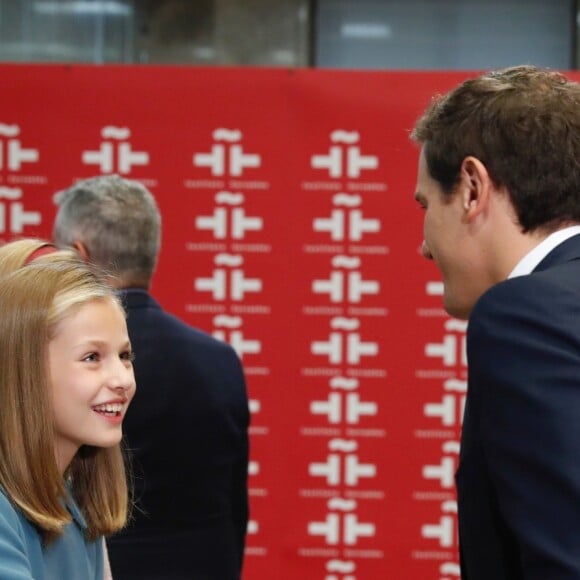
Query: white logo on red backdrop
{"points": [[346, 468], [450, 569], [115, 154], [452, 349], [344, 158], [444, 471], [232, 281], [230, 221], [349, 223], [451, 408], [344, 345], [13, 217], [228, 330], [444, 531], [341, 526], [12, 153], [14, 157], [342, 469], [346, 286], [346, 567], [449, 355], [253, 466], [344, 407], [228, 157], [229, 281]]}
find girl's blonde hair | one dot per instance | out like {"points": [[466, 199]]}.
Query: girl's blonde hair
{"points": [[18, 253], [33, 300]]}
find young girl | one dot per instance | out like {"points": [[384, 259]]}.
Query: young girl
{"points": [[66, 380]]}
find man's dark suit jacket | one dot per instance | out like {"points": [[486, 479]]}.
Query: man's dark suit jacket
{"points": [[187, 432], [518, 479]]}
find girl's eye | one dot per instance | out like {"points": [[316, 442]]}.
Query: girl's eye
{"points": [[128, 356], [92, 357]]}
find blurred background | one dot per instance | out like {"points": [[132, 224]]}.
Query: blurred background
{"points": [[348, 34]]}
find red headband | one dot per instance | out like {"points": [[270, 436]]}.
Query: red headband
{"points": [[41, 251]]}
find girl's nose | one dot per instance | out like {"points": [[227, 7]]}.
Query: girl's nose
{"points": [[122, 377]]}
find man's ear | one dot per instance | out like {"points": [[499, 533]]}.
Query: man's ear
{"points": [[476, 187], [82, 250]]}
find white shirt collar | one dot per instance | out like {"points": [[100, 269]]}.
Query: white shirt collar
{"points": [[527, 264]]}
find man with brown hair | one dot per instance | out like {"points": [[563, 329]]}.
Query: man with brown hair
{"points": [[499, 181]]}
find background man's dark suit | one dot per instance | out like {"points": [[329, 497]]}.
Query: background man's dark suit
{"points": [[187, 430], [519, 475]]}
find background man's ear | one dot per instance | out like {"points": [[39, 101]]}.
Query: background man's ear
{"points": [[82, 250]]}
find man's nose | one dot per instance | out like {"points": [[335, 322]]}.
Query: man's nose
{"points": [[425, 251]]}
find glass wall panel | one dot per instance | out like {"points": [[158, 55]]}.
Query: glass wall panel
{"points": [[443, 34], [208, 32], [66, 31]]}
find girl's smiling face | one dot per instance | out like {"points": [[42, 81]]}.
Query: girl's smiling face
{"points": [[91, 378]]}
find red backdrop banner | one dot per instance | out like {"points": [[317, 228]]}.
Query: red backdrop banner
{"points": [[290, 231]]}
